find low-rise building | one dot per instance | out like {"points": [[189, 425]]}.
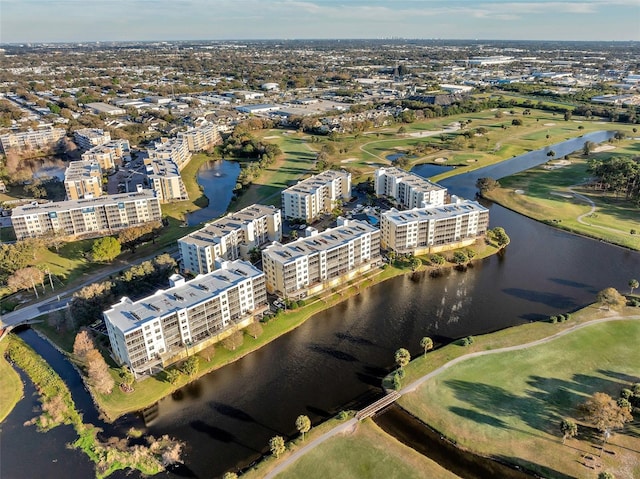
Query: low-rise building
{"points": [[315, 195], [30, 140], [83, 179], [164, 177], [408, 189], [230, 237], [161, 329], [109, 154], [88, 217], [323, 260], [87, 138], [100, 108], [437, 228], [201, 138]]}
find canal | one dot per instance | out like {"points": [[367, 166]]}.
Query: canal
{"points": [[337, 359]]}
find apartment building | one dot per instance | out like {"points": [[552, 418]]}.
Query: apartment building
{"points": [[161, 329], [433, 229], [109, 154], [30, 140], [408, 189], [201, 138], [164, 177], [230, 237], [83, 179], [87, 217], [173, 149], [87, 138], [318, 194], [322, 260]]}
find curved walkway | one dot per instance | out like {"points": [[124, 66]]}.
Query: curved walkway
{"points": [[350, 425], [592, 210]]}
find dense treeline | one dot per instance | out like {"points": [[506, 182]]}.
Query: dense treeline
{"points": [[620, 175]]}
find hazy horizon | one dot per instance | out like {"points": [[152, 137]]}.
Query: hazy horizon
{"points": [[88, 21]]}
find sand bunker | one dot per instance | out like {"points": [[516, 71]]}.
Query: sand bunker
{"points": [[563, 195], [519, 192], [471, 161], [549, 124], [440, 160], [600, 148], [271, 137], [349, 160], [556, 164]]}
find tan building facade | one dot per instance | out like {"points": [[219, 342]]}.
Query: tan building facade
{"points": [[83, 179], [316, 195], [407, 189], [31, 140]]}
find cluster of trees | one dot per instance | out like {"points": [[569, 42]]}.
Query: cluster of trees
{"points": [[89, 302], [620, 175], [94, 365], [18, 264], [132, 237]]}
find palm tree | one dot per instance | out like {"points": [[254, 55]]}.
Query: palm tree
{"points": [[303, 424], [426, 343], [633, 284], [402, 357], [568, 429]]}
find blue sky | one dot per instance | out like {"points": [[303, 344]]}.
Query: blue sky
{"points": [[103, 20]]}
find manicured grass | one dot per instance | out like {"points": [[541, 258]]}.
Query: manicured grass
{"points": [[509, 405], [10, 384], [548, 197], [366, 453]]}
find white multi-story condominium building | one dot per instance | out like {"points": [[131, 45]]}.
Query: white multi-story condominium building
{"points": [[164, 177], [89, 217], [87, 138], [83, 179], [315, 195], [31, 140], [109, 154], [174, 150], [163, 328], [323, 260], [201, 138], [408, 189], [230, 237], [433, 229]]}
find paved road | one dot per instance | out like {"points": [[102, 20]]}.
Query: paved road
{"points": [[351, 425], [64, 295]]}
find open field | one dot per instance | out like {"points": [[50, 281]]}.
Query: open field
{"points": [[513, 412], [10, 384], [549, 195], [368, 452]]}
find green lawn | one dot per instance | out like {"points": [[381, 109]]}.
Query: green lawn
{"points": [[509, 405], [545, 195], [366, 453], [10, 384]]}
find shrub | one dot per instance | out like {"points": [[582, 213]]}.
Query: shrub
{"points": [[553, 319], [396, 382], [567, 316], [342, 415]]}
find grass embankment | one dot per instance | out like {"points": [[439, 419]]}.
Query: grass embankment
{"points": [[58, 408], [509, 405], [367, 452], [547, 195], [11, 390]]}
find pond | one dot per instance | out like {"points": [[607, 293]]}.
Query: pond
{"points": [[218, 180]]}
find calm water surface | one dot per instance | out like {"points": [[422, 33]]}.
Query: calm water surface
{"points": [[217, 178], [336, 359]]}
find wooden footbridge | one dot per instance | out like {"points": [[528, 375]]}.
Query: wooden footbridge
{"points": [[377, 406]]}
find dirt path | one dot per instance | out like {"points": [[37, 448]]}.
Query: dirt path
{"points": [[592, 210]]}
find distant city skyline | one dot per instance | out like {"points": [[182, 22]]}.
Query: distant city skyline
{"points": [[33, 21]]}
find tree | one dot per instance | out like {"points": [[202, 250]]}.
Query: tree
{"points": [[500, 236], [633, 284], [26, 278], [588, 147], [426, 343], [568, 428], [127, 376], [277, 446], [190, 366], [303, 425], [254, 329], [234, 341], [485, 185], [98, 372], [610, 298], [105, 249], [402, 357], [460, 257], [173, 375], [82, 345], [516, 122], [604, 413], [230, 475], [606, 475]]}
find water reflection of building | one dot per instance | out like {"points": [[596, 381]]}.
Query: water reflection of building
{"points": [[323, 260], [168, 326], [230, 237]]}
